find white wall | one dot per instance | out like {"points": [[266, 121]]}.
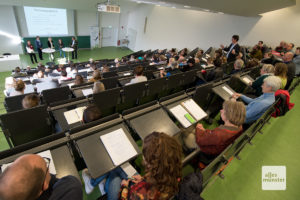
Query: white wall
{"points": [[168, 27], [85, 19], [8, 25]]}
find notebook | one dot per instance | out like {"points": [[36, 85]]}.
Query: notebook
{"points": [[118, 146], [75, 115], [87, 92]]}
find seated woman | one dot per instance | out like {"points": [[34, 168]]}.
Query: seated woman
{"points": [[78, 80], [281, 72], [91, 113], [96, 76], [30, 101], [213, 142], [265, 71], [98, 87], [161, 180], [19, 87]]}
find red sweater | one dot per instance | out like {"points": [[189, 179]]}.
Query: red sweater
{"points": [[213, 142]]}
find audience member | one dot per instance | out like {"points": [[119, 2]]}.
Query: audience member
{"points": [[91, 113], [64, 76], [217, 73], [290, 47], [19, 87], [238, 65], [171, 71], [296, 61], [78, 80], [256, 53], [138, 72], [160, 180], [28, 177], [281, 72], [256, 107], [213, 142], [18, 73], [265, 71], [98, 87], [96, 76], [30, 101], [233, 49], [288, 59], [262, 47]]}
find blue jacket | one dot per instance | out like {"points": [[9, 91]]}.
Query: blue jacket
{"points": [[256, 107], [38, 44]]}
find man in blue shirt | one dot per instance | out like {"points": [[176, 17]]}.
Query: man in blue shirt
{"points": [[256, 107], [39, 47]]}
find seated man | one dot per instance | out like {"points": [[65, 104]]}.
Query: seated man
{"points": [[238, 65], [265, 71], [138, 71], [28, 177], [256, 107]]}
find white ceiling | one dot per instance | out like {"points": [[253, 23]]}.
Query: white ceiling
{"points": [[234, 7]]}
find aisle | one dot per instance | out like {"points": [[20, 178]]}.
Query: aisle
{"points": [[279, 145]]}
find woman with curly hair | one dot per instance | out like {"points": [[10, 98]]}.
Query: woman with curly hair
{"points": [[162, 160]]}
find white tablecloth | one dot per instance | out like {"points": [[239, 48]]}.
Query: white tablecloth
{"points": [[8, 63]]}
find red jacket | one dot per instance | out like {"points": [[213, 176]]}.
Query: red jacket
{"points": [[282, 107], [213, 142]]}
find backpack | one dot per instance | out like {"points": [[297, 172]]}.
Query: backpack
{"points": [[283, 105]]}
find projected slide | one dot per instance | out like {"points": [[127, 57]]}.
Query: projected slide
{"points": [[46, 21]]}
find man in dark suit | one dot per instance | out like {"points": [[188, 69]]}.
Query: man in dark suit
{"points": [[74, 45], [39, 47], [233, 49]]}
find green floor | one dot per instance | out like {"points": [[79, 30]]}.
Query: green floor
{"points": [[279, 145], [83, 55]]}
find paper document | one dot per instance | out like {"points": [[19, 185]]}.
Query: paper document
{"points": [[128, 169], [204, 59], [75, 115], [71, 84], [126, 74], [46, 154], [179, 112], [228, 90], [247, 80], [87, 92], [118, 146], [194, 109]]}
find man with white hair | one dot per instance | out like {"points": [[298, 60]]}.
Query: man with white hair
{"points": [[256, 107]]}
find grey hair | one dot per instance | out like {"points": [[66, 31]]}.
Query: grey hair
{"points": [[239, 63], [268, 68], [274, 82]]}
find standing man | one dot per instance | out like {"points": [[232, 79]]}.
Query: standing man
{"points": [[39, 47], [233, 49], [74, 45]]}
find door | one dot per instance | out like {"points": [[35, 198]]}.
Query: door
{"points": [[109, 36]]}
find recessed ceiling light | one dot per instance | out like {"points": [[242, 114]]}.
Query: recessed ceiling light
{"points": [[139, 2], [157, 5], [206, 10], [173, 7], [220, 13], [187, 6]]}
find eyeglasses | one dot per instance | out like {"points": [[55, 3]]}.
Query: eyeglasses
{"points": [[47, 160]]}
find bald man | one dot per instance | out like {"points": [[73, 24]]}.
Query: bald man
{"points": [[288, 59], [28, 178]]}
